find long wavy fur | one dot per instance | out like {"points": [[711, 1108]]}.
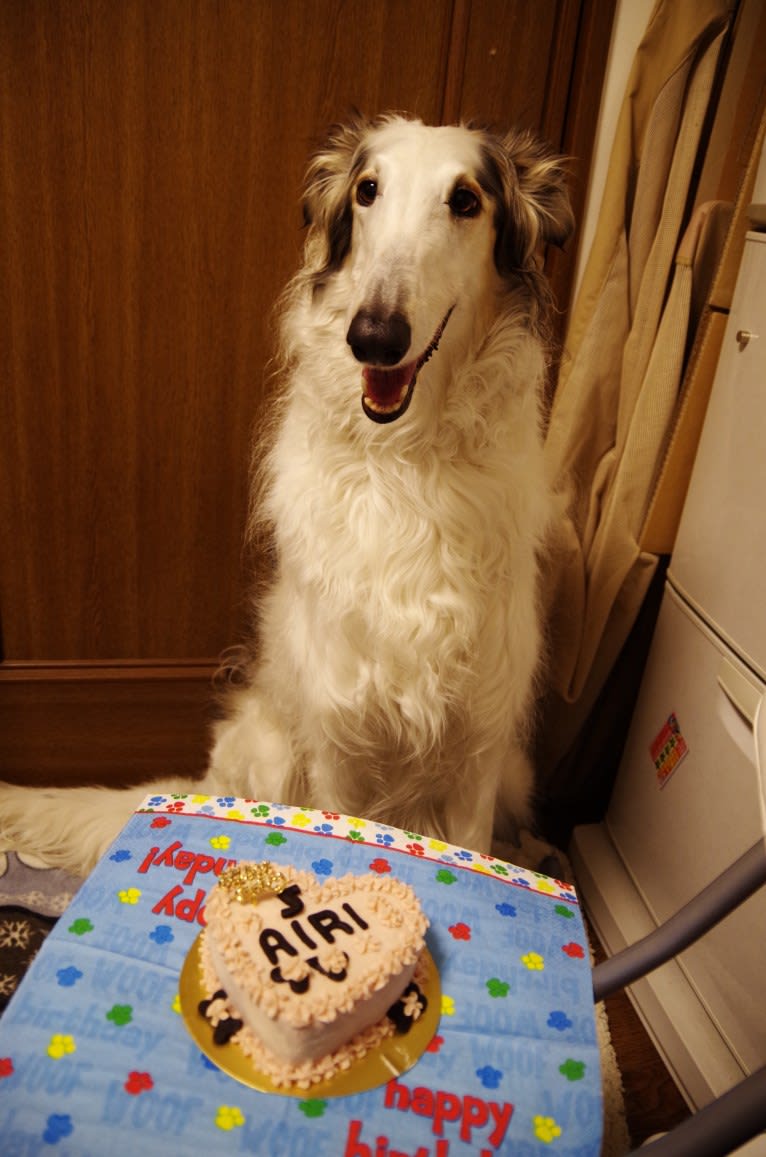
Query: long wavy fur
{"points": [[397, 639]]}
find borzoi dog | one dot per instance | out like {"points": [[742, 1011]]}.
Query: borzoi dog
{"points": [[406, 495]]}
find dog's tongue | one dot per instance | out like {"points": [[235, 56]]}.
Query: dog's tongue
{"points": [[385, 387]]}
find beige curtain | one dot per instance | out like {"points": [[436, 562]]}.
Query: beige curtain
{"points": [[623, 360]]}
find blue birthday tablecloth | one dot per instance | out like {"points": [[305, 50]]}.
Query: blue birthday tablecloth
{"points": [[95, 1056]]}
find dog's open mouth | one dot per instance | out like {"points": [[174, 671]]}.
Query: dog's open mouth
{"points": [[386, 394]]}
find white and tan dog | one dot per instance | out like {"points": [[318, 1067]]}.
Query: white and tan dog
{"points": [[405, 490]]}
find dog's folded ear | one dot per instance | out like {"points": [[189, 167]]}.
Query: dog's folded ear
{"points": [[529, 182], [326, 194], [543, 185]]}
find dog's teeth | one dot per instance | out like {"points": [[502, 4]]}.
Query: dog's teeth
{"points": [[389, 408]]}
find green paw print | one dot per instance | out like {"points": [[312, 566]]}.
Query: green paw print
{"points": [[444, 876], [120, 1014], [274, 839], [572, 1070], [562, 910], [262, 810], [80, 926], [313, 1108], [497, 987]]}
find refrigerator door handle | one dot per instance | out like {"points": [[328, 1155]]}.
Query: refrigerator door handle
{"points": [[748, 702], [740, 692], [759, 729]]}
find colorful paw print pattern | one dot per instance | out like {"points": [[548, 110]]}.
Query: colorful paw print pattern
{"points": [[120, 1014], [546, 1129], [460, 931], [312, 1108], [229, 1117], [357, 830], [61, 1045], [497, 988], [57, 1128], [129, 895], [511, 1069], [68, 977], [138, 1083], [81, 926]]}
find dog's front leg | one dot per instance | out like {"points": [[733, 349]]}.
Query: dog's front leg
{"points": [[253, 755], [470, 814]]}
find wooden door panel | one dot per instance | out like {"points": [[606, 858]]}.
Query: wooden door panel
{"points": [[152, 156], [511, 57], [116, 724]]}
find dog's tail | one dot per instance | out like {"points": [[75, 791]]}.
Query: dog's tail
{"points": [[69, 828]]}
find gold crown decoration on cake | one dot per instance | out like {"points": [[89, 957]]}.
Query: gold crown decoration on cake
{"points": [[250, 882]]}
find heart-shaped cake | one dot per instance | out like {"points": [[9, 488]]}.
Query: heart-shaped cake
{"points": [[300, 969]]}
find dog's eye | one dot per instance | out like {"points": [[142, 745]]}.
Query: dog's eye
{"points": [[366, 191], [464, 202]]}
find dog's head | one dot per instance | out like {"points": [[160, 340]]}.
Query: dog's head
{"points": [[525, 179], [426, 224]]}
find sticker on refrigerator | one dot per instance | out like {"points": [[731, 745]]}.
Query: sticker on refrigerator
{"points": [[668, 749]]}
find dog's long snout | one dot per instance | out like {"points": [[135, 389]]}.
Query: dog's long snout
{"points": [[379, 339]]}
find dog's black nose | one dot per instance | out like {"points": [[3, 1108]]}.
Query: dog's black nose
{"points": [[377, 339]]}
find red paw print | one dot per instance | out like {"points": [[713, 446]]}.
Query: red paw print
{"points": [[178, 806], [460, 932], [160, 822], [6, 1067], [138, 1083], [380, 865], [416, 849], [435, 1044], [576, 951], [331, 815]]}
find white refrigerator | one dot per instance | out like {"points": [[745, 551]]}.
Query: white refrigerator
{"points": [[687, 799]]}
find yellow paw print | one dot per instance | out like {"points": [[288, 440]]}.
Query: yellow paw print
{"points": [[234, 814], [220, 842], [229, 1116], [300, 820], [355, 823], [200, 798], [60, 1046], [437, 846], [545, 886], [448, 1005], [546, 1129], [176, 1005], [533, 961], [129, 895]]}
